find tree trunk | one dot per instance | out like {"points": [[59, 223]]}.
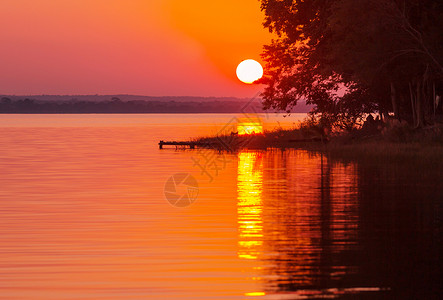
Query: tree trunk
{"points": [[419, 105], [434, 101], [413, 101], [394, 101], [426, 94]]}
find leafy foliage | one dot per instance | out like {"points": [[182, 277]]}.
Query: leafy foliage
{"points": [[352, 57]]}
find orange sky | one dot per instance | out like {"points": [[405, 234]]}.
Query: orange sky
{"points": [[149, 47]]}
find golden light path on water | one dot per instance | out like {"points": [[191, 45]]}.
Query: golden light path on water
{"points": [[250, 208]]}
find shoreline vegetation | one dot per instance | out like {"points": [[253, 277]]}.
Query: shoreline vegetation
{"points": [[351, 59], [390, 141]]}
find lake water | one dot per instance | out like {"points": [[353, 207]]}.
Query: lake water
{"points": [[88, 212]]}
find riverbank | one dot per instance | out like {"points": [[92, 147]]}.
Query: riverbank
{"points": [[393, 144]]}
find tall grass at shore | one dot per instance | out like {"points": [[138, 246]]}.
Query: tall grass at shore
{"points": [[394, 142]]}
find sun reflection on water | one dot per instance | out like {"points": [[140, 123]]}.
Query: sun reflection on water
{"points": [[251, 125], [250, 206]]}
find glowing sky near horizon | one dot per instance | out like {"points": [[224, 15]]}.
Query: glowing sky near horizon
{"points": [[155, 47]]}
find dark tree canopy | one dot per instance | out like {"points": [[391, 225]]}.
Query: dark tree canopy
{"points": [[352, 57]]}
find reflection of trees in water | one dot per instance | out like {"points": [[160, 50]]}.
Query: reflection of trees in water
{"points": [[401, 225], [311, 220], [318, 224], [297, 213]]}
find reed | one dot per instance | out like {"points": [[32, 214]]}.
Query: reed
{"points": [[392, 144]]}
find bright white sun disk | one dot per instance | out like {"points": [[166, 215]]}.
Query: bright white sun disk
{"points": [[249, 71]]}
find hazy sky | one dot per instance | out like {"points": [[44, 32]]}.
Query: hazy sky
{"points": [[149, 47]]}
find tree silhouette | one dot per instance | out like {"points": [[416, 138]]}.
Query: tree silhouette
{"points": [[385, 55]]}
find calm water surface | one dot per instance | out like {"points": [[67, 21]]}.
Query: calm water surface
{"points": [[84, 216]]}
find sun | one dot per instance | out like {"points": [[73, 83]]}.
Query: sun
{"points": [[249, 71]]}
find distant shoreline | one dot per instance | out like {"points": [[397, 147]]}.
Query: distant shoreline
{"points": [[133, 105]]}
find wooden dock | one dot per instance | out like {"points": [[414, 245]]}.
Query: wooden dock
{"points": [[191, 145], [220, 145]]}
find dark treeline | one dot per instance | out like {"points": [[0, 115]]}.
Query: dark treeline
{"points": [[29, 106], [116, 105], [122, 97]]}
